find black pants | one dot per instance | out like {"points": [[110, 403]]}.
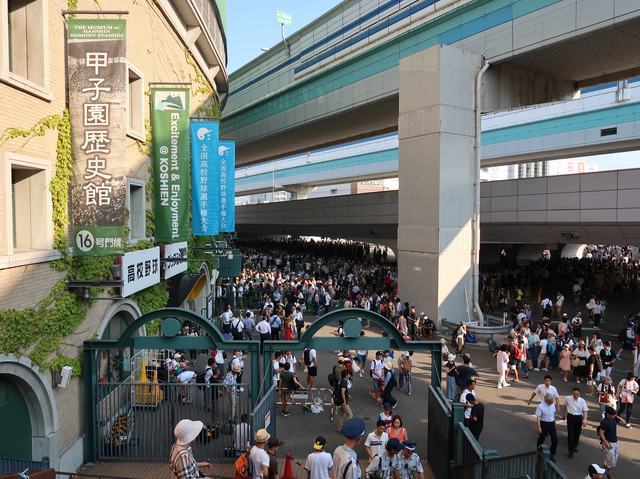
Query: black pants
{"points": [[549, 429], [275, 334], [574, 429]]}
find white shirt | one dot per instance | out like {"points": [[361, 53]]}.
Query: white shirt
{"points": [[546, 302], [546, 412], [260, 458], [541, 390], [312, 355], [242, 436], [226, 317], [377, 366], [263, 327], [237, 325], [463, 400], [318, 463], [560, 300], [276, 367], [543, 346], [575, 407], [376, 444], [186, 376]]}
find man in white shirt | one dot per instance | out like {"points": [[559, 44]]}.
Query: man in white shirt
{"points": [[544, 389], [575, 409], [471, 385], [559, 304], [377, 373], [226, 318], [376, 441], [259, 456], [264, 330], [546, 418], [243, 431], [319, 462]]}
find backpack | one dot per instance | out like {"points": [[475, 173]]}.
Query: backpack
{"points": [[393, 382], [406, 365], [243, 466], [307, 356], [378, 473], [237, 326], [200, 377], [333, 381], [622, 336], [517, 352], [551, 348]]}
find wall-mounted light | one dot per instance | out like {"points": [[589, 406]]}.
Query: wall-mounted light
{"points": [[65, 377]]}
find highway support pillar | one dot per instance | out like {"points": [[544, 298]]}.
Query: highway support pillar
{"points": [[436, 169]]}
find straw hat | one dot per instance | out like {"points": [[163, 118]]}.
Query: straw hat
{"points": [[262, 436]]}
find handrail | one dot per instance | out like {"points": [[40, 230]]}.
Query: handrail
{"points": [[102, 476]]}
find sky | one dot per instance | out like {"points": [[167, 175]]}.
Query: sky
{"points": [[251, 25]]}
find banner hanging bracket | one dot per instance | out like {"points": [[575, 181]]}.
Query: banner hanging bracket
{"points": [[94, 12]]}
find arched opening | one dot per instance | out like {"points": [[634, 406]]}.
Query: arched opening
{"points": [[28, 410], [14, 416], [114, 365]]}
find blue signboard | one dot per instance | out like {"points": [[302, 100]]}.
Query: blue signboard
{"points": [[205, 187], [227, 162]]}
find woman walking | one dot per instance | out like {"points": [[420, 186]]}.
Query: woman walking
{"points": [[627, 390]]}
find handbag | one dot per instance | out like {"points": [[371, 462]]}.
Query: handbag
{"points": [[355, 368], [626, 399], [575, 362], [471, 338], [529, 363]]}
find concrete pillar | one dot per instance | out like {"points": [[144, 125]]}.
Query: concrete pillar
{"points": [[435, 200], [299, 192]]}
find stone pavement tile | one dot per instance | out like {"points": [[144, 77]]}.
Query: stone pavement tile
{"points": [[510, 425]]}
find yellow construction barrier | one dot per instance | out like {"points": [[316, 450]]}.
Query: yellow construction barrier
{"points": [[151, 394]]}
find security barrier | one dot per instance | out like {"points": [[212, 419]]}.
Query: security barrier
{"points": [[309, 397]]}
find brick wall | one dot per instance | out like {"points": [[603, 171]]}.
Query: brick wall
{"points": [[152, 47]]}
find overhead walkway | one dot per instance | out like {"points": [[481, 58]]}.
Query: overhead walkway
{"points": [[598, 208]]}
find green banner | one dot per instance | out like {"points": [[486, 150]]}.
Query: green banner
{"points": [[97, 79], [171, 163]]}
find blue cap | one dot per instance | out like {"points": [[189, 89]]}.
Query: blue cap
{"points": [[394, 444], [410, 445], [353, 428]]}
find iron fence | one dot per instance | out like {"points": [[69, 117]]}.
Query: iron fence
{"points": [[264, 414], [439, 432], [510, 466], [8, 464], [136, 420]]}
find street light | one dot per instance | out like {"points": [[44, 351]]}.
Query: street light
{"points": [[265, 49]]}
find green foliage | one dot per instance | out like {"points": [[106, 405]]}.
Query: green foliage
{"points": [[152, 298], [150, 223], [59, 362]]}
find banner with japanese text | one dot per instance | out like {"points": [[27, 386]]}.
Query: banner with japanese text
{"points": [[227, 161], [204, 178], [97, 66], [170, 137]]}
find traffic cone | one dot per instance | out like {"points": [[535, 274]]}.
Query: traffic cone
{"points": [[508, 295], [288, 473], [540, 296]]}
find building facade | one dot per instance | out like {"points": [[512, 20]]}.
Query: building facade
{"points": [[42, 326]]}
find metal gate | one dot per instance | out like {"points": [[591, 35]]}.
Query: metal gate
{"points": [[135, 420], [264, 415]]}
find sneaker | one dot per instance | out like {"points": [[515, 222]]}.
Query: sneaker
{"points": [[241, 389], [536, 369], [379, 400], [360, 373], [409, 393], [628, 425], [618, 357], [578, 381], [394, 406], [507, 385], [544, 369], [499, 387], [373, 395], [285, 414]]}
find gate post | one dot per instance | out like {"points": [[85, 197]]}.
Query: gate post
{"points": [[436, 367], [256, 376], [458, 417], [90, 424]]}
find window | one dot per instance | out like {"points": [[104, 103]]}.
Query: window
{"points": [[334, 191], [27, 204], [24, 51], [135, 103], [136, 205]]}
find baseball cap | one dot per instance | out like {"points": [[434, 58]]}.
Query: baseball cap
{"points": [[320, 443], [275, 442], [595, 469]]}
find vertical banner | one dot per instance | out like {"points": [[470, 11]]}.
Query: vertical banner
{"points": [[170, 135], [227, 160], [97, 80], [204, 184]]}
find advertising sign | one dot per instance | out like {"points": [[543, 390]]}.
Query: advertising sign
{"points": [[175, 250], [170, 136], [204, 181], [227, 161], [140, 269], [284, 18], [97, 66]]}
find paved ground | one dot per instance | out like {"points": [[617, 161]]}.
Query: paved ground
{"points": [[509, 423]]}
